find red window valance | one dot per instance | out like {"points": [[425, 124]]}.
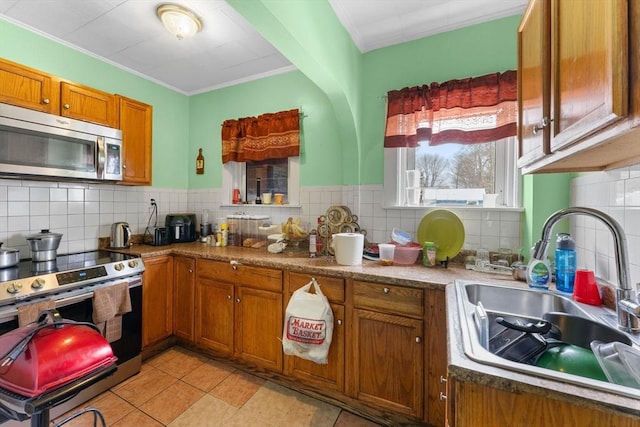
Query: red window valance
{"points": [[268, 136], [466, 111]]}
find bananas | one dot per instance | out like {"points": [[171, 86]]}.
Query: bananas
{"points": [[292, 229]]}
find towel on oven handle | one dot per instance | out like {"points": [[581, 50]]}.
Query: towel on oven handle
{"points": [[109, 304]]}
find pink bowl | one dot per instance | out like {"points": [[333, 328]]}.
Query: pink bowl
{"points": [[406, 255]]}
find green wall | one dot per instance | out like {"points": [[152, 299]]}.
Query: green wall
{"points": [[468, 52], [320, 156], [170, 109], [340, 91]]}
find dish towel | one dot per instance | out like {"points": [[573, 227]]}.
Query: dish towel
{"points": [[109, 304], [30, 312]]}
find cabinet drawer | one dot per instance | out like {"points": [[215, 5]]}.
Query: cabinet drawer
{"points": [[219, 270], [268, 279], [332, 287], [388, 298]]}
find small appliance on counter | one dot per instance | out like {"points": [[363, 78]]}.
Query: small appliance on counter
{"points": [[182, 227], [120, 235], [159, 236]]}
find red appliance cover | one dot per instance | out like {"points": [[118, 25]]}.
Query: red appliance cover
{"points": [[55, 356]]}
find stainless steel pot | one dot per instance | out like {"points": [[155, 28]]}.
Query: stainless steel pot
{"points": [[44, 245], [9, 257]]}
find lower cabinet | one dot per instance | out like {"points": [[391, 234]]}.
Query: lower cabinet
{"points": [[386, 366], [184, 278], [481, 405], [239, 312], [157, 299], [330, 375]]}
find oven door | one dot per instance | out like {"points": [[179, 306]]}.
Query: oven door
{"points": [[78, 305]]}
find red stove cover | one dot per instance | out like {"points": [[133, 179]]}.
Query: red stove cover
{"points": [[55, 356]]}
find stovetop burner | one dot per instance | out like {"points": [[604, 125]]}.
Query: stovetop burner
{"points": [[36, 278]]}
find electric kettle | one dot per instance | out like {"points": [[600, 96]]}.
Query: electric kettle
{"points": [[120, 235]]}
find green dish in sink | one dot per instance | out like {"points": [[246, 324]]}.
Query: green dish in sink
{"points": [[572, 359]]}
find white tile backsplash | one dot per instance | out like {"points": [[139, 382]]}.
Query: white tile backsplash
{"points": [[616, 193], [85, 212]]}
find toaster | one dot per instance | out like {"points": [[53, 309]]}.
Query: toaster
{"points": [[182, 227]]}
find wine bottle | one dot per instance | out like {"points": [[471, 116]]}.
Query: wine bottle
{"points": [[200, 162]]}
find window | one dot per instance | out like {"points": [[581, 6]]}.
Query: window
{"points": [[273, 175], [451, 143], [452, 174], [276, 175]]}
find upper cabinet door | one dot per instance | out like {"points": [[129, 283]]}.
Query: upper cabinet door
{"points": [[87, 104], [534, 76], [136, 124], [590, 67], [28, 88]]}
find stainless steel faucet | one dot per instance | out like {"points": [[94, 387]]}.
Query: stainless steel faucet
{"points": [[627, 307]]}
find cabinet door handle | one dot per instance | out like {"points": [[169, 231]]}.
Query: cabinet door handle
{"points": [[386, 290], [238, 300], [229, 297], [190, 271], [339, 322], [442, 379], [418, 340], [543, 124], [443, 396], [124, 166], [66, 106], [46, 101]]}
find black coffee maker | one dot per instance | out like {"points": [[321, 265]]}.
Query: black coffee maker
{"points": [[182, 227]]}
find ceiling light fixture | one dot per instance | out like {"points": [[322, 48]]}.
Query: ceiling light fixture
{"points": [[178, 20]]}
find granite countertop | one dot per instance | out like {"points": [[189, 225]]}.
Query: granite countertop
{"points": [[460, 366], [415, 275]]}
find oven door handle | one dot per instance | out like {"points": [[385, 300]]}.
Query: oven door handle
{"points": [[63, 302]]}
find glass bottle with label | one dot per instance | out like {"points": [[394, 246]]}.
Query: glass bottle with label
{"points": [[200, 162]]}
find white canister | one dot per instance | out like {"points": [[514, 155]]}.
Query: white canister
{"points": [[348, 248]]}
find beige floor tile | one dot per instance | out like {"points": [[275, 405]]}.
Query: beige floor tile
{"points": [[136, 418], [163, 357], [180, 363], [171, 402], [112, 407], [245, 418], [347, 419], [280, 406], [208, 375], [237, 388], [142, 387], [209, 411]]}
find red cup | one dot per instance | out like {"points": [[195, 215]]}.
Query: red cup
{"points": [[585, 288]]}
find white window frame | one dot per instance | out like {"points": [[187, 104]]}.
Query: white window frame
{"points": [[507, 175], [234, 175]]}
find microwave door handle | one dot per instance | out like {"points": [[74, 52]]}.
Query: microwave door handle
{"points": [[101, 157]]}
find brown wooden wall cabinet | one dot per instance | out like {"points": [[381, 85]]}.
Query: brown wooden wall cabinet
{"points": [[239, 312], [184, 289], [29, 88], [87, 104], [331, 375], [578, 85], [157, 299], [136, 124], [385, 362]]}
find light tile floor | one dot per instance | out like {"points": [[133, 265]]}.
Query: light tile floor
{"points": [[180, 388]]}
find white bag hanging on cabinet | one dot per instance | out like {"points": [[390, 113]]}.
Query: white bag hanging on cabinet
{"points": [[308, 324]]}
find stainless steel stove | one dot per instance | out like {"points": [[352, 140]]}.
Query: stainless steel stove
{"points": [[31, 279], [70, 282]]}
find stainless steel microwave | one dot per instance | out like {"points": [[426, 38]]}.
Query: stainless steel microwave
{"points": [[38, 144]]}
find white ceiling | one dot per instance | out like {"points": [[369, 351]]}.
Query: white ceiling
{"points": [[228, 51]]}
